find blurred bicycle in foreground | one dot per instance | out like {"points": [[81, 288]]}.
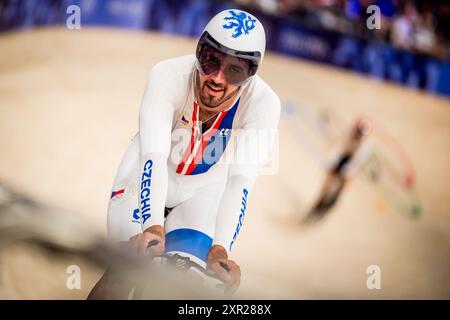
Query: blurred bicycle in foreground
{"points": [[55, 234]]}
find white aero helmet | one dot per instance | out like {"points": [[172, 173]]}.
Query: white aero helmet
{"points": [[236, 33]]}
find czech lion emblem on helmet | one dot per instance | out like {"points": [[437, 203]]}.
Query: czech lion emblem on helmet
{"points": [[240, 22]]}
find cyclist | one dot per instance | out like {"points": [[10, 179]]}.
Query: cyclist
{"points": [[185, 179]]}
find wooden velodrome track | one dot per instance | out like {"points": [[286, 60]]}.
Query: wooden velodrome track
{"points": [[69, 105]]}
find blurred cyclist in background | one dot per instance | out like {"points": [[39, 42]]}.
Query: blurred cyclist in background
{"points": [[354, 153]]}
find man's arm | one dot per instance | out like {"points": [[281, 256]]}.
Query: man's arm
{"points": [[254, 144], [250, 154], [155, 126]]}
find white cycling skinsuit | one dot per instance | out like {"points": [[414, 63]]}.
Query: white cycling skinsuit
{"points": [[170, 163]]}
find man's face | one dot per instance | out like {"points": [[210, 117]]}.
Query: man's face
{"points": [[214, 89]]}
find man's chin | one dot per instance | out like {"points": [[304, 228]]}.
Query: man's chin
{"points": [[210, 107], [211, 103]]}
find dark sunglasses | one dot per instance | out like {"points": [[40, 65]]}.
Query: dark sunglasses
{"points": [[235, 69]]}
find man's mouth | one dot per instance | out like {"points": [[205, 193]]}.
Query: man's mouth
{"points": [[212, 90]]}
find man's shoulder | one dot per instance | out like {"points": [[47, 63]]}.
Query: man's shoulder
{"points": [[260, 104], [260, 92]]}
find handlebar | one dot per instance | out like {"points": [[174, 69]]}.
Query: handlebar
{"points": [[180, 263], [185, 263]]}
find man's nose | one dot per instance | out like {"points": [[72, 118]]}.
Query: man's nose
{"points": [[218, 76]]}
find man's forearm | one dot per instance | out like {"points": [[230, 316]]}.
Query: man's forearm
{"points": [[231, 212], [153, 189]]}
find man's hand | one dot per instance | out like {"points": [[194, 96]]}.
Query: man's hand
{"points": [[141, 241], [227, 270]]}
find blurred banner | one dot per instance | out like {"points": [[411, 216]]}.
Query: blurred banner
{"points": [[377, 59]]}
